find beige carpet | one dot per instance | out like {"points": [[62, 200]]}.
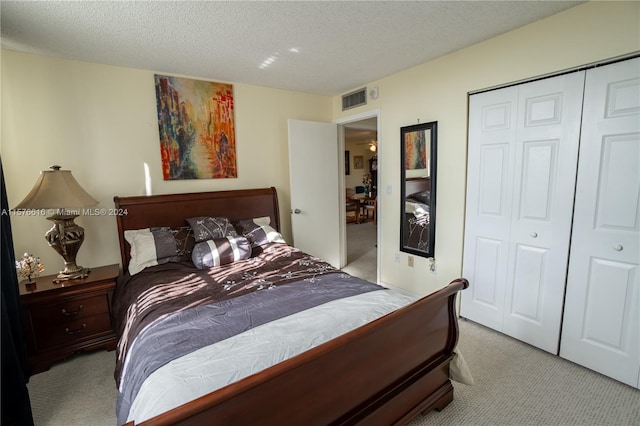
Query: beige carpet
{"points": [[361, 251], [515, 384], [80, 391]]}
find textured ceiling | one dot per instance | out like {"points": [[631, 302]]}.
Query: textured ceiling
{"points": [[326, 47]]}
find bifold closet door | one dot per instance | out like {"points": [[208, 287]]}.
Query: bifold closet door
{"points": [[601, 328], [490, 170], [522, 159]]}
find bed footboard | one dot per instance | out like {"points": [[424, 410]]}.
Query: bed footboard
{"points": [[383, 373]]}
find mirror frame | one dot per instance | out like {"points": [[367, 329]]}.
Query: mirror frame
{"points": [[431, 134]]}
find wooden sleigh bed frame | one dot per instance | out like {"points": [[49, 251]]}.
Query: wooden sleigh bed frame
{"points": [[385, 372]]}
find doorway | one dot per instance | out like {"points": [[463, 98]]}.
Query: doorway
{"points": [[361, 178]]}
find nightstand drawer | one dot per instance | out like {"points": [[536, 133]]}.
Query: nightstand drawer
{"points": [[48, 335], [71, 310]]}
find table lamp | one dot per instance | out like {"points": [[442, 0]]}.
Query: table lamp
{"points": [[58, 191]]}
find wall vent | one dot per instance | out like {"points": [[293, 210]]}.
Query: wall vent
{"points": [[354, 99]]}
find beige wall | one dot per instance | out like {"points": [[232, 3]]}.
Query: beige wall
{"points": [[100, 122], [356, 148], [437, 91]]}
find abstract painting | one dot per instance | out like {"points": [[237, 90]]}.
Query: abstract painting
{"points": [[197, 128], [415, 149]]}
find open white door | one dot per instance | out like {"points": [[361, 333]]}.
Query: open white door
{"points": [[313, 168]]}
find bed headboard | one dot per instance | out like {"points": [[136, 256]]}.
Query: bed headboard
{"points": [[419, 184], [172, 209]]}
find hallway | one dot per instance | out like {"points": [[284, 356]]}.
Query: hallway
{"points": [[361, 251]]}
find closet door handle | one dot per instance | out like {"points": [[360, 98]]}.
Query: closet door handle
{"points": [[534, 235], [618, 247]]}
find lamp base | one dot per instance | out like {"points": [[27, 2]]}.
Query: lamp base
{"points": [[66, 237], [66, 276]]}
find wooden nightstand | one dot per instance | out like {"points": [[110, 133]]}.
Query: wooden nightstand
{"points": [[60, 319]]}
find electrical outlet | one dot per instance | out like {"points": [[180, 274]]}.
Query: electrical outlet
{"points": [[397, 257], [410, 261]]}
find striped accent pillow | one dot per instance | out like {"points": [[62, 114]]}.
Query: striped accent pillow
{"points": [[220, 251]]}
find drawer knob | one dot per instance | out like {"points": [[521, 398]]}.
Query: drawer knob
{"points": [[618, 247], [64, 311], [66, 330]]}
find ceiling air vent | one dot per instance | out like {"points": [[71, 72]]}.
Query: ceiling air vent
{"points": [[354, 99]]}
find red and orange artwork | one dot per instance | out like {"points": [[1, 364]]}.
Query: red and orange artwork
{"points": [[415, 149], [197, 128]]}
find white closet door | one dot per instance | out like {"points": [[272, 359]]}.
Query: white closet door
{"points": [[522, 158], [492, 133], [546, 159], [601, 327]]}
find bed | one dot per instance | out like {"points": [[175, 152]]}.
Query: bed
{"points": [[417, 214], [346, 374]]}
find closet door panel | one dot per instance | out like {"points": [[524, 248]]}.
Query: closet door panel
{"points": [[601, 327], [488, 215], [609, 285], [617, 199], [485, 291], [539, 159], [493, 182], [528, 284], [546, 155]]}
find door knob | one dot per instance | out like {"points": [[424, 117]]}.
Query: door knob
{"points": [[297, 211], [534, 235], [618, 247]]}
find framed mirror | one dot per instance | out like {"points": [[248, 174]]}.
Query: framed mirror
{"points": [[418, 145]]}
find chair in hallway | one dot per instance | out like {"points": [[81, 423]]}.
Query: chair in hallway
{"points": [[352, 206], [370, 210]]}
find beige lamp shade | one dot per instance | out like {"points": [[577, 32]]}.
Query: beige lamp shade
{"points": [[56, 189]]}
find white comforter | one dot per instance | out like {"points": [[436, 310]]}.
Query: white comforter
{"points": [[235, 358]]}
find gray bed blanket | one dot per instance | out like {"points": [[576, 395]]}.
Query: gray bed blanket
{"points": [[193, 327]]}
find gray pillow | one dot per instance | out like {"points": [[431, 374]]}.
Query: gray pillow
{"points": [[150, 247], [208, 228], [259, 232], [184, 242], [220, 251]]}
